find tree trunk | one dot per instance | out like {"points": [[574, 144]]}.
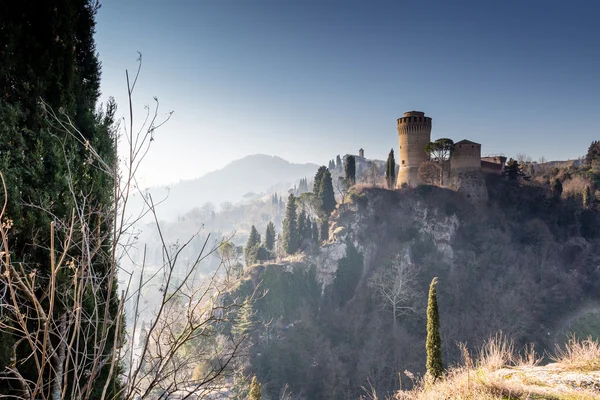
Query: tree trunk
{"points": [[62, 347]]}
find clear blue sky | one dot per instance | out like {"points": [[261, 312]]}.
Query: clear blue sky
{"points": [[306, 80]]}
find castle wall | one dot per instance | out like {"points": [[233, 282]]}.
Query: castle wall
{"points": [[466, 155], [465, 171], [493, 165], [414, 133], [470, 183]]}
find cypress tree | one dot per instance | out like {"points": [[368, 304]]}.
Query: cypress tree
{"points": [[48, 52], [390, 170], [251, 245], [350, 170], [435, 366], [557, 188], [301, 224], [290, 229], [315, 232], [324, 231], [587, 197], [326, 194], [318, 178], [270, 237], [338, 162]]}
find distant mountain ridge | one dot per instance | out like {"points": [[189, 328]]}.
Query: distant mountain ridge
{"points": [[257, 173]]}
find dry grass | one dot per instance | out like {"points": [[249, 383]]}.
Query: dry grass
{"points": [[580, 355], [497, 352], [499, 373]]}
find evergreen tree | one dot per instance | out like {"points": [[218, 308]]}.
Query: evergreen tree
{"points": [[390, 170], [587, 197], [48, 52], [557, 188], [244, 321], [255, 390], [338, 162], [270, 237], [315, 232], [326, 194], [350, 170], [290, 229], [303, 186], [301, 224], [593, 154], [331, 166], [513, 170], [251, 246], [318, 178], [324, 231], [435, 366]]}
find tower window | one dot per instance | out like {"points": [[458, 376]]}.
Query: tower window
{"points": [[402, 162]]}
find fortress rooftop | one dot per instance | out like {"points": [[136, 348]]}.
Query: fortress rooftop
{"points": [[465, 141], [414, 114]]}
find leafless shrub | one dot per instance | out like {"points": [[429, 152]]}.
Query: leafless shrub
{"points": [[575, 186], [181, 347], [579, 354], [497, 352]]}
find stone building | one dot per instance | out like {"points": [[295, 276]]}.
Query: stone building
{"points": [[464, 174], [493, 164], [414, 133], [465, 171]]}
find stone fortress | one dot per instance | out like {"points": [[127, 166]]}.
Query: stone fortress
{"points": [[463, 173]]}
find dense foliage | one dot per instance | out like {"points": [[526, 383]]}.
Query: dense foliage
{"points": [[350, 170], [390, 170], [291, 239], [48, 64], [433, 344]]}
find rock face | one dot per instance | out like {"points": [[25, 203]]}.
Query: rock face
{"points": [[439, 228], [373, 222], [327, 262]]}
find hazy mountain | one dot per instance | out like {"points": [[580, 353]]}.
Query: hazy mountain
{"points": [[253, 174]]}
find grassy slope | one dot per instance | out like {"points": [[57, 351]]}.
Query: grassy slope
{"points": [[499, 373]]}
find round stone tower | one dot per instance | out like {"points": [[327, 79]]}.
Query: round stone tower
{"points": [[414, 133]]}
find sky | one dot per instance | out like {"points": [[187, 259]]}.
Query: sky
{"points": [[307, 80]]}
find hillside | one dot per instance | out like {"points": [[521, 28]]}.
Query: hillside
{"points": [[522, 263], [500, 373], [251, 175]]}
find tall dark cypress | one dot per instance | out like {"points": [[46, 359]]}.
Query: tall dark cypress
{"points": [[318, 178], [290, 235], [326, 194], [301, 225], [270, 237], [315, 232], [350, 170], [435, 365], [48, 52], [390, 170]]}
